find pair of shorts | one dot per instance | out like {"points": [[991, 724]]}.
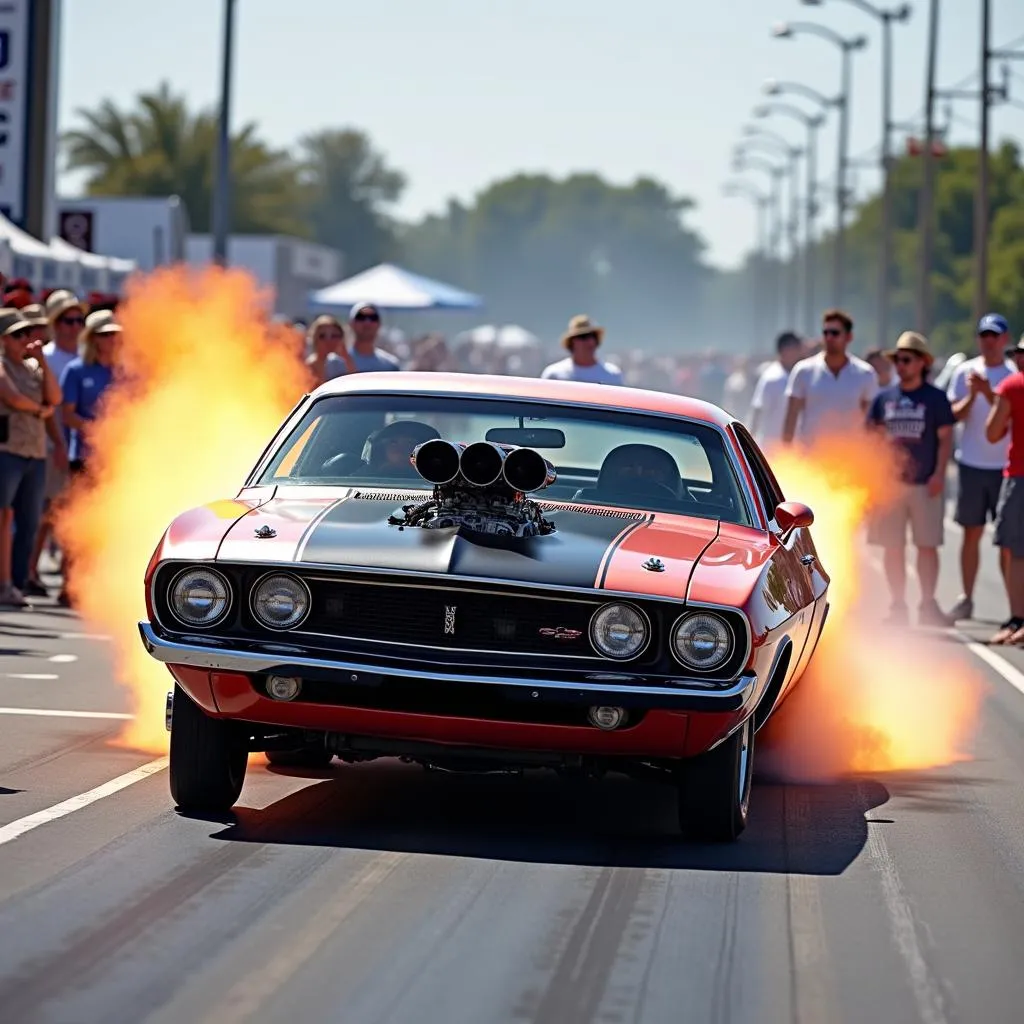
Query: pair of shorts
{"points": [[56, 480], [977, 495], [916, 508], [1009, 531]]}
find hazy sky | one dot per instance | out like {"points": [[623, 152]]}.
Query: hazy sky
{"points": [[457, 93]]}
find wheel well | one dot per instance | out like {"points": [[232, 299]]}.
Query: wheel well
{"points": [[771, 694]]}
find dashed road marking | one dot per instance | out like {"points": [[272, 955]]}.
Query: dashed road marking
{"points": [[59, 713], [30, 675], [84, 636], [63, 658], [16, 829]]}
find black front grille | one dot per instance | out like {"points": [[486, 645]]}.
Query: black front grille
{"points": [[450, 618]]}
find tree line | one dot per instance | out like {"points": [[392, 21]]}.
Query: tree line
{"points": [[540, 248]]}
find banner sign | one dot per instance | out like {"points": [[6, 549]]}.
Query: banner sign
{"points": [[14, 99]]}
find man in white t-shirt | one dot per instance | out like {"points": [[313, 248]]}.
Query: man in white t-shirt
{"points": [[582, 340], [768, 404], [979, 463], [829, 393]]}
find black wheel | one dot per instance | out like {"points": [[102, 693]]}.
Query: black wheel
{"points": [[714, 789], [208, 758], [303, 757]]}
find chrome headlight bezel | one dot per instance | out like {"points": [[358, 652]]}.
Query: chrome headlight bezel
{"points": [[291, 577], [216, 576], [707, 613], [644, 619]]}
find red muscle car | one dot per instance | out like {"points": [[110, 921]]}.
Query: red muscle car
{"points": [[471, 571]]}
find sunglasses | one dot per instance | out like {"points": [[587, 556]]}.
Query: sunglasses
{"points": [[833, 332], [989, 334], [905, 360], [72, 321], [372, 317], [585, 337]]}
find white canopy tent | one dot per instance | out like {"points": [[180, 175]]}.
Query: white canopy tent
{"points": [[96, 273]]}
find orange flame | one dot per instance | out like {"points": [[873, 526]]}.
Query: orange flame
{"points": [[871, 700], [204, 380]]}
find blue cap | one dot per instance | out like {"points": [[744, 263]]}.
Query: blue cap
{"points": [[993, 322]]}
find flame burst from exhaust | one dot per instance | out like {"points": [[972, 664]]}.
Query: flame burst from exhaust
{"points": [[204, 381], [873, 699]]}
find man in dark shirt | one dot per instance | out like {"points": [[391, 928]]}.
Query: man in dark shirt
{"points": [[917, 418]]}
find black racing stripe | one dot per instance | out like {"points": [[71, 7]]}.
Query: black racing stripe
{"points": [[357, 533], [616, 543]]}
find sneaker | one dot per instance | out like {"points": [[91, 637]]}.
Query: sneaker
{"points": [[33, 588], [963, 609], [1009, 628], [898, 615], [12, 597], [930, 614]]}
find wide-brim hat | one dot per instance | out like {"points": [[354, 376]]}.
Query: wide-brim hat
{"points": [[59, 302], [911, 341], [580, 326], [12, 320], [101, 321], [35, 315], [1016, 350]]}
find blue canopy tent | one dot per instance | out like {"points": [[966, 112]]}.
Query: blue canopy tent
{"points": [[391, 288]]}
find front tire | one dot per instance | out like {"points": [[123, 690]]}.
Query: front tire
{"points": [[714, 789], [208, 758]]}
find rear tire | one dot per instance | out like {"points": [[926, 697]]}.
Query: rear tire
{"points": [[208, 758], [303, 757], [714, 789]]}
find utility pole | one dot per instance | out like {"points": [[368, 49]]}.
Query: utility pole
{"points": [[925, 218], [813, 125], [221, 213], [839, 269], [981, 205]]}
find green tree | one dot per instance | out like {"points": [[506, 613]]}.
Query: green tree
{"points": [[540, 249], [348, 190], [159, 147]]}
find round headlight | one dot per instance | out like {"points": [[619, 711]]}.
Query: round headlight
{"points": [[199, 597], [702, 640], [280, 602], [619, 631]]}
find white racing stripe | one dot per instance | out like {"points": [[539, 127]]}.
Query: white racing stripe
{"points": [[16, 829], [58, 713]]}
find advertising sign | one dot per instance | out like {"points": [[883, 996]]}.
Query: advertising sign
{"points": [[14, 98]]}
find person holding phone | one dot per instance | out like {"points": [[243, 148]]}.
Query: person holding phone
{"points": [[29, 393]]}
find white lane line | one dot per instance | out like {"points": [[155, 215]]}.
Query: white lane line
{"points": [[30, 675], [83, 636], [995, 661], [65, 659], [16, 829], [926, 988], [57, 713]]}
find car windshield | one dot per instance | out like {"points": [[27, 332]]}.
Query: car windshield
{"points": [[601, 456]]}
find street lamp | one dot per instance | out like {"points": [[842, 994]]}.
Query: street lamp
{"points": [[762, 136], [847, 46], [221, 213], [887, 16], [813, 123], [737, 188], [743, 161]]}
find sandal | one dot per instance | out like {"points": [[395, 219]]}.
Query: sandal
{"points": [[1010, 628]]}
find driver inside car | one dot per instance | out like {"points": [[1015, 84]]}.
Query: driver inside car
{"points": [[635, 470], [392, 446]]}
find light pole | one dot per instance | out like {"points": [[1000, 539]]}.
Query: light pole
{"points": [[221, 213], [764, 138], [925, 211], [812, 123], [745, 162], [847, 46], [741, 189], [886, 16]]}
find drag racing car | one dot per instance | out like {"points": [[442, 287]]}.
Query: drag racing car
{"points": [[490, 572]]}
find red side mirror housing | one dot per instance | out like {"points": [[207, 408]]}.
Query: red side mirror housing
{"points": [[791, 515]]}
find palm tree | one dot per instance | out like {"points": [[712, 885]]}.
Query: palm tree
{"points": [[161, 148]]}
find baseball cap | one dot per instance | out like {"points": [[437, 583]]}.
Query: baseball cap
{"points": [[994, 322], [363, 307]]}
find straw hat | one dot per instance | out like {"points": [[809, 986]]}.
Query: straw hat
{"points": [[911, 341], [581, 325], [11, 321]]}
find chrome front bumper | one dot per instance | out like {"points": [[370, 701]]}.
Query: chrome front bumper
{"points": [[249, 658]]}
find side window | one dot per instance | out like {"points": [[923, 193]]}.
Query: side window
{"points": [[764, 479]]}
